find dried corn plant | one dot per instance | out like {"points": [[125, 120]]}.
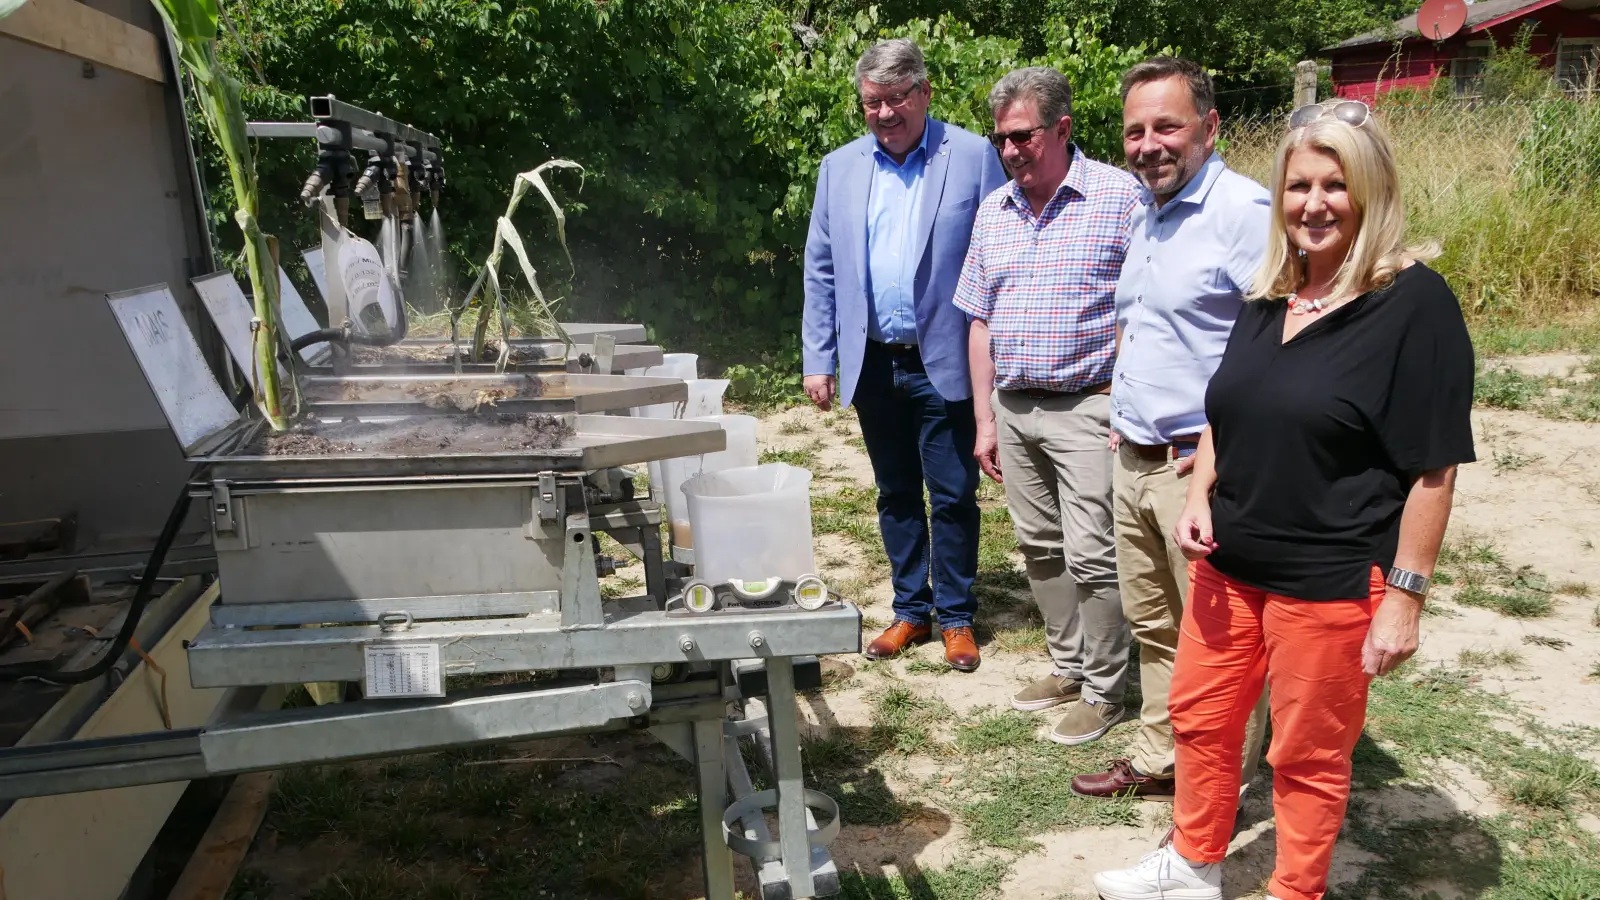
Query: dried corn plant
{"points": [[537, 308]]}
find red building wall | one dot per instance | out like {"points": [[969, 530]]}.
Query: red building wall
{"points": [[1361, 73]]}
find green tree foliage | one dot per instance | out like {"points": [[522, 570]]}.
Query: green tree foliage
{"points": [[701, 125], [1247, 42]]}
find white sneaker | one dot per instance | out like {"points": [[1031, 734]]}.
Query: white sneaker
{"points": [[1162, 875]]}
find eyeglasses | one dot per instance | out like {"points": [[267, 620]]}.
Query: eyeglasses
{"points": [[1351, 112], [1017, 138], [893, 101]]}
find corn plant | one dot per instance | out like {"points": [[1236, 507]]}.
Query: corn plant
{"points": [[194, 24], [505, 234]]}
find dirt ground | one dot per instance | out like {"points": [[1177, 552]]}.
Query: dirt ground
{"points": [[1535, 493], [1477, 776]]}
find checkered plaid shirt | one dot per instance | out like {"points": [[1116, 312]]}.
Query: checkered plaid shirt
{"points": [[1046, 284]]}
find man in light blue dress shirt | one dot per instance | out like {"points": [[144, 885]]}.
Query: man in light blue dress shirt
{"points": [[1197, 240], [889, 231]]}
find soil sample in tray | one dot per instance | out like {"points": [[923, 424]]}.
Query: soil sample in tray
{"points": [[405, 354], [419, 436], [468, 393]]}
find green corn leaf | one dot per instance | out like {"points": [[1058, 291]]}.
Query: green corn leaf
{"points": [[190, 20]]}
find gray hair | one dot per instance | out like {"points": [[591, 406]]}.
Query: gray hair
{"points": [[1201, 90], [1048, 89], [891, 62]]}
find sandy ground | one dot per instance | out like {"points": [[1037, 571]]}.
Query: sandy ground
{"points": [[1540, 508]]}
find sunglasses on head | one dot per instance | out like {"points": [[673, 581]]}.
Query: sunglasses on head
{"points": [[1351, 112]]}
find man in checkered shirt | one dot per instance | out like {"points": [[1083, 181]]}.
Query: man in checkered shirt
{"points": [[1039, 284]]}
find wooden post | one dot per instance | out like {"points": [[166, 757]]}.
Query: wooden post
{"points": [[223, 847], [1305, 83]]}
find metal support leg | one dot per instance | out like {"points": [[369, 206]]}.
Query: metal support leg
{"points": [[784, 722], [655, 579], [712, 771], [581, 605]]}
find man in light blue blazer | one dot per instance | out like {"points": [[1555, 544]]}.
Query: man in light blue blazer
{"points": [[889, 232]]}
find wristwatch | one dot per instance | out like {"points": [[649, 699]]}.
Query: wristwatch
{"points": [[1408, 581]]}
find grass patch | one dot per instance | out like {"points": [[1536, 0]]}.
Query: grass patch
{"points": [[250, 884], [1516, 604], [1484, 580], [1572, 588], [995, 730], [1513, 460], [902, 722], [1549, 396], [793, 427], [1545, 640], [1487, 659], [800, 457], [495, 831], [1565, 781], [620, 586], [958, 882]]}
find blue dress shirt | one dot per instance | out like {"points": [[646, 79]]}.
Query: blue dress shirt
{"points": [[1189, 264], [892, 211]]}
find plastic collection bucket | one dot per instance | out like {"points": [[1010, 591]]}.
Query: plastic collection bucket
{"points": [[751, 523], [740, 453]]}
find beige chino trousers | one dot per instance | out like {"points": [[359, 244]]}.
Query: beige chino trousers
{"points": [[1147, 499], [1057, 468]]}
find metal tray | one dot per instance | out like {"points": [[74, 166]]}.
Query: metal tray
{"points": [[598, 442], [433, 356], [332, 398]]}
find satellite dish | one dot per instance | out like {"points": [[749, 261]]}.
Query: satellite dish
{"points": [[1440, 19]]}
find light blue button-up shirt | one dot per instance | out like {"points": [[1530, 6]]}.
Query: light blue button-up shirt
{"points": [[892, 210], [1189, 265]]}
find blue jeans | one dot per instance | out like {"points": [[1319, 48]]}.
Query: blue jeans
{"points": [[915, 436]]}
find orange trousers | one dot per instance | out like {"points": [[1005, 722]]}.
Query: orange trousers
{"points": [[1309, 653]]}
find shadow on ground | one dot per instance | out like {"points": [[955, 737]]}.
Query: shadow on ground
{"points": [[1398, 839]]}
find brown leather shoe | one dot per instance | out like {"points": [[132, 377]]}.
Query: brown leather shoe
{"points": [[897, 637], [1122, 780], [960, 648]]}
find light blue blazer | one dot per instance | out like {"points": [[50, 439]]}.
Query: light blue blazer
{"points": [[963, 169]]}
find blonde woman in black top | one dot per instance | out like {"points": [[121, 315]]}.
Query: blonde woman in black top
{"points": [[1319, 499]]}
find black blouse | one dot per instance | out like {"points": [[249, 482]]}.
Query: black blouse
{"points": [[1319, 440]]}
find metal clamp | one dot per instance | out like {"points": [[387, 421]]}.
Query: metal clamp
{"points": [[545, 500], [221, 508], [755, 804]]}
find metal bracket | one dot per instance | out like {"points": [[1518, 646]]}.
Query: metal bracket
{"points": [[548, 509], [581, 604], [222, 520], [605, 350], [751, 807]]}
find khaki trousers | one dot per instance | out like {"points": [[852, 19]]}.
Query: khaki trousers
{"points": [[1057, 470], [1147, 499]]}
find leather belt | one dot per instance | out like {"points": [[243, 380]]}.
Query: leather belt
{"points": [[1047, 394], [1162, 452], [897, 349]]}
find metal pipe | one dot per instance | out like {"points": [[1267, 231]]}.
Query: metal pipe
{"points": [[360, 138], [331, 108]]}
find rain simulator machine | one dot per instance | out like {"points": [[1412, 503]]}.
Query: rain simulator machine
{"points": [[169, 564]]}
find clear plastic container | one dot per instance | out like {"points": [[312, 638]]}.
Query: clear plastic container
{"points": [[673, 365], [751, 524], [705, 397], [741, 452]]}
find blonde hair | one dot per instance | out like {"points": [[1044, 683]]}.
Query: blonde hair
{"points": [[1373, 183]]}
